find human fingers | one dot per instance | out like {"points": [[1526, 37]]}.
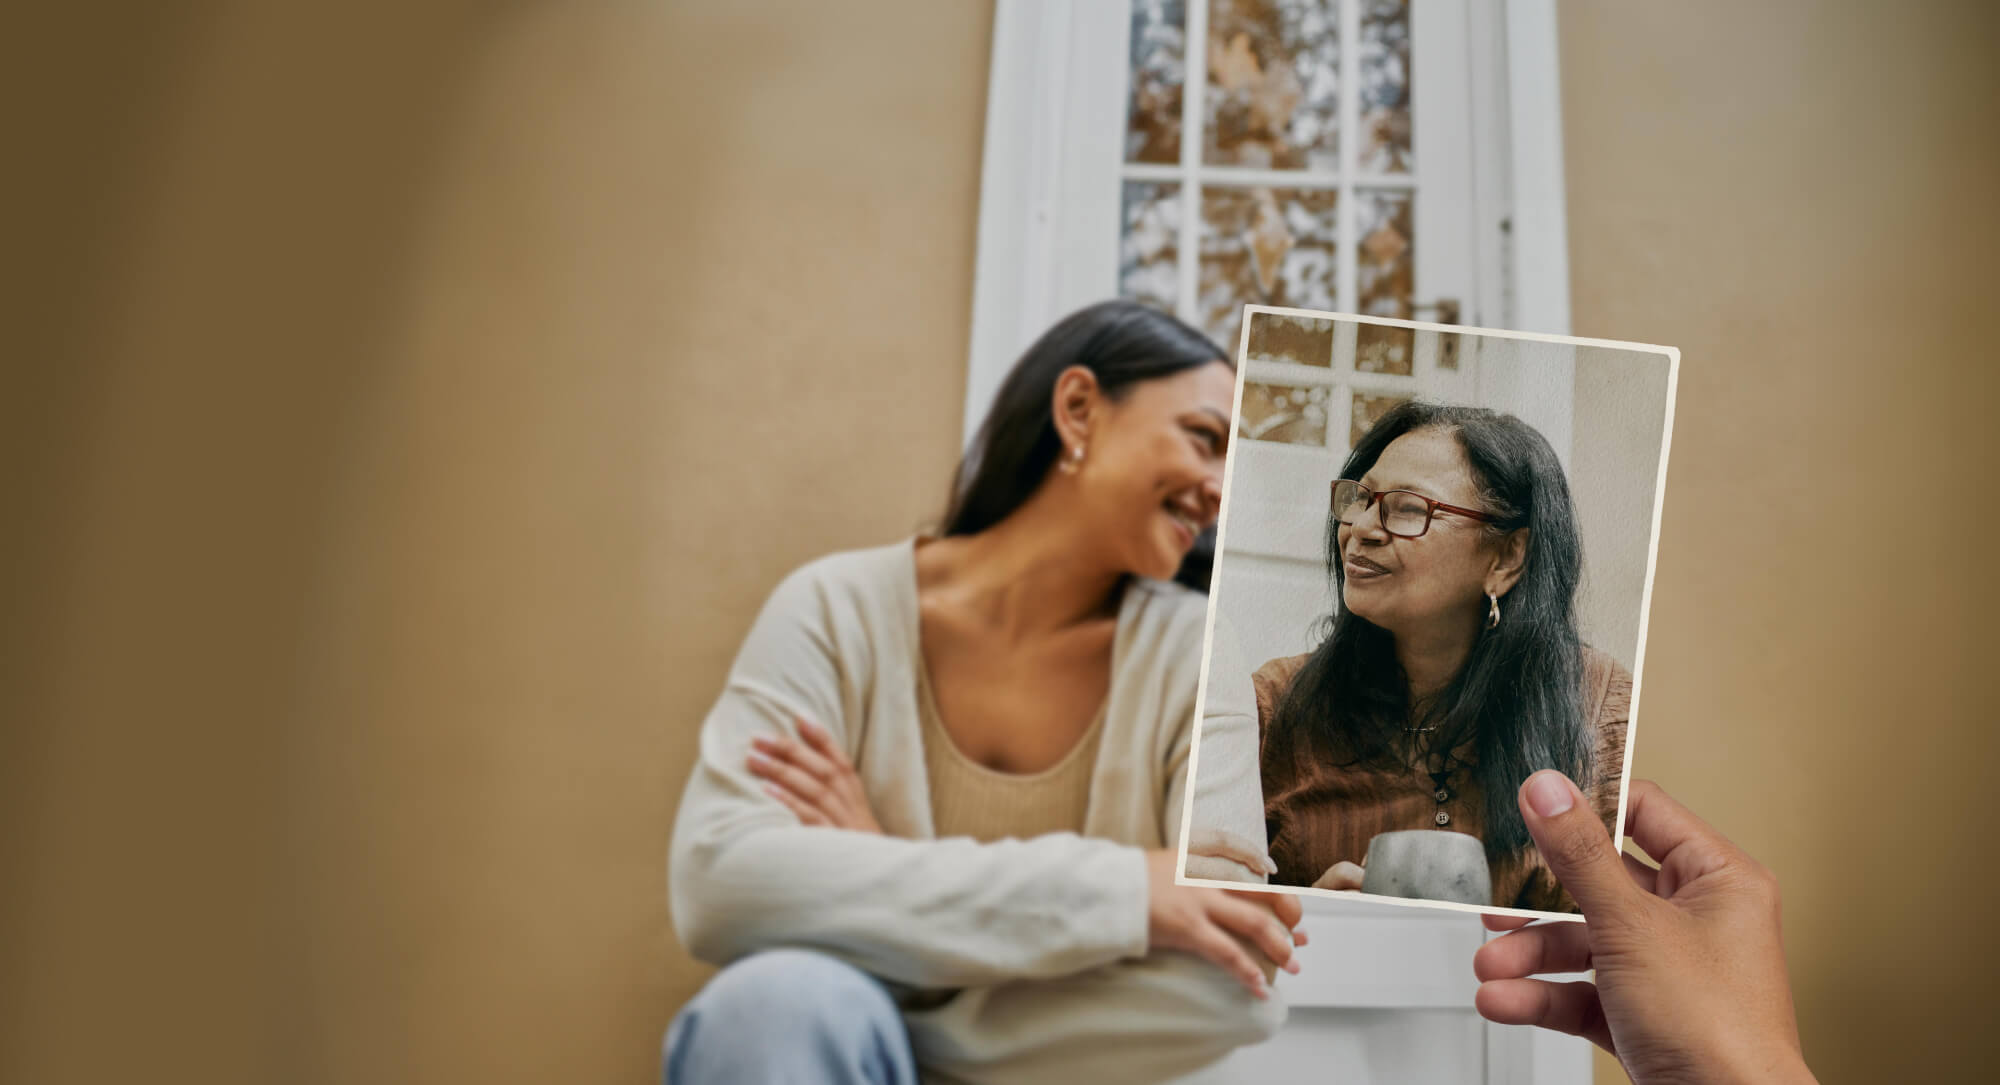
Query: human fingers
{"points": [[1288, 908], [797, 753], [804, 811], [1671, 833], [1341, 875], [1574, 844], [1211, 942], [793, 778], [1496, 922], [1643, 876], [846, 780], [1542, 948], [1256, 923], [821, 741], [1563, 1007], [840, 790], [1659, 823], [1283, 905]]}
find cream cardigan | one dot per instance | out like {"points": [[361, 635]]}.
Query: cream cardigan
{"points": [[1046, 938]]}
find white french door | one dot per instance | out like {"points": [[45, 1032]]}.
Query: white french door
{"points": [[1380, 157]]}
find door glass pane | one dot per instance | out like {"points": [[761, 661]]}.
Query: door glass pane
{"points": [[1385, 279], [1384, 69], [1273, 94], [1149, 251], [1379, 348], [1293, 340], [1269, 73], [1283, 413], [1265, 246], [1159, 71]]}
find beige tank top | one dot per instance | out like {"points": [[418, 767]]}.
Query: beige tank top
{"points": [[969, 799]]}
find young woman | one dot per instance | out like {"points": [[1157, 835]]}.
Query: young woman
{"points": [[1453, 670], [934, 817]]}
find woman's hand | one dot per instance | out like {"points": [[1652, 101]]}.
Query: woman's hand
{"points": [[1341, 875], [1214, 924], [1690, 969], [814, 779]]}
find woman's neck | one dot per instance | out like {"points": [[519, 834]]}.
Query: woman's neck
{"points": [[1432, 658], [1036, 571]]}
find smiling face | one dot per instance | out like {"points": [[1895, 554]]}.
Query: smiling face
{"points": [[1152, 474], [1439, 581]]}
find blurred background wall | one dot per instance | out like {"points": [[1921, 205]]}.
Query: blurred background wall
{"points": [[410, 405], [1620, 401], [1800, 197]]}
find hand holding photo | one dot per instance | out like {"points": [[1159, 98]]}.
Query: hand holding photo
{"points": [[1431, 582]]}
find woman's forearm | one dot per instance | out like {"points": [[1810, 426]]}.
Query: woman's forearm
{"points": [[941, 913], [746, 876]]}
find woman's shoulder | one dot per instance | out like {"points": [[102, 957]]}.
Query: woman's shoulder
{"points": [[850, 583], [1608, 701], [1607, 688], [1278, 673], [1599, 663], [1162, 612], [1171, 597], [1273, 679]]}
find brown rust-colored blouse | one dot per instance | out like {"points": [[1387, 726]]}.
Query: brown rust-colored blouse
{"points": [[1318, 814]]}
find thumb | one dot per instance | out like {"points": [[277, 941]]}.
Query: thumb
{"points": [[1573, 842]]}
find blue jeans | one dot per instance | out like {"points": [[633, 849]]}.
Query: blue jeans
{"points": [[789, 1015]]}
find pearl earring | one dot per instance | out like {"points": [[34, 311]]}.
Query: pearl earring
{"points": [[1070, 463]]}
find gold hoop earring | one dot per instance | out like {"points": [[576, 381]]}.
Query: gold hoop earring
{"points": [[1493, 610]]}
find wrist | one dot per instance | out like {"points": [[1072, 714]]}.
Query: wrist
{"points": [[1717, 1059], [1786, 1067], [1767, 1065]]}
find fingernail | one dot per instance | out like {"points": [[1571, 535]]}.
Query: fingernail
{"points": [[1292, 966], [1550, 793]]}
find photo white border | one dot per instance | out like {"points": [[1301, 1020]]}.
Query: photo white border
{"points": [[1673, 356]]}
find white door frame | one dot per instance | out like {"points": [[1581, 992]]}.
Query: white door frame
{"points": [[1044, 187], [1048, 197]]}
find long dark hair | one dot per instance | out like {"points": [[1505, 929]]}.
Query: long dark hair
{"points": [[1122, 343], [1519, 695]]}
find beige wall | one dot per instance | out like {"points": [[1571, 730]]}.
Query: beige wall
{"points": [[1800, 197], [419, 401], [444, 394], [1619, 399]]}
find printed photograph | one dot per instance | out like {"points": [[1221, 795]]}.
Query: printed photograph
{"points": [[1433, 568]]}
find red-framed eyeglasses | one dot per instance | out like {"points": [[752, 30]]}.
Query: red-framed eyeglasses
{"points": [[1405, 514]]}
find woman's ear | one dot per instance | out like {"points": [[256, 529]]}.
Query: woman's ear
{"points": [[1074, 407], [1508, 563]]}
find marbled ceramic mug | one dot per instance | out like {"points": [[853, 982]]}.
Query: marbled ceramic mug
{"points": [[1429, 864]]}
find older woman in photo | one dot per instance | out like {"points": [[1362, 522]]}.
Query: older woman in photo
{"points": [[934, 817], [1452, 670]]}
